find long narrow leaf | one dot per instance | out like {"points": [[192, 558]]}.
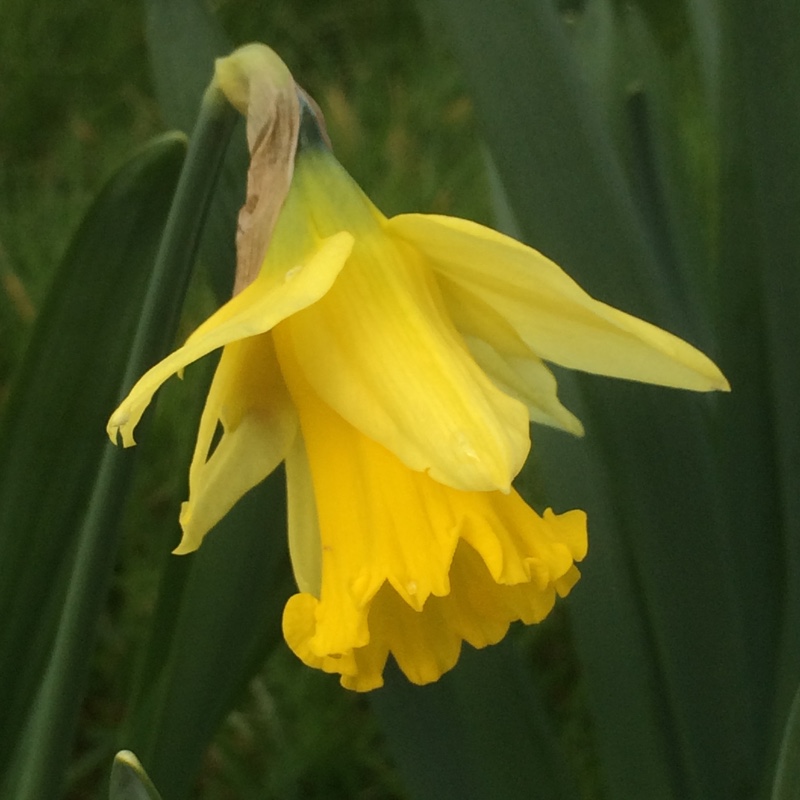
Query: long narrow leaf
{"points": [[52, 435], [44, 746], [228, 614], [786, 785], [761, 70]]}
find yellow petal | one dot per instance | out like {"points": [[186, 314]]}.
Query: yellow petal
{"points": [[479, 608], [513, 367], [358, 487], [388, 536], [249, 399], [275, 295], [299, 623], [477, 611], [427, 643], [305, 545], [382, 351], [530, 381], [550, 312], [475, 319]]}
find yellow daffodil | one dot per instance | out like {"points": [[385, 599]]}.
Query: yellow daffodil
{"points": [[395, 366]]}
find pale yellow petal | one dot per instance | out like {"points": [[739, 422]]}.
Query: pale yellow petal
{"points": [[499, 351], [530, 381], [249, 400], [551, 313], [267, 301], [305, 545], [475, 319]]}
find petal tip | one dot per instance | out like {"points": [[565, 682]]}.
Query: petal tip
{"points": [[572, 424], [119, 426], [192, 534], [186, 546]]}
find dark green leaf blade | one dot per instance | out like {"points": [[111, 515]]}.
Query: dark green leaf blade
{"points": [[786, 784], [760, 236], [219, 609], [52, 435], [222, 607], [42, 750]]}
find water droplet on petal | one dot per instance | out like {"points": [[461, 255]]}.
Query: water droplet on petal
{"points": [[292, 273], [466, 448]]}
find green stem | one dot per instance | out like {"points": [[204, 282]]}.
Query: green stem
{"points": [[45, 745], [183, 232]]}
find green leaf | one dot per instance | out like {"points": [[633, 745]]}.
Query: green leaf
{"points": [[52, 435], [552, 148], [43, 748], [631, 723], [221, 609], [129, 781], [183, 40], [760, 237], [480, 731]]}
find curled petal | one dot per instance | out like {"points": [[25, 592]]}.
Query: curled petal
{"points": [[378, 520], [249, 399], [427, 643], [261, 306]]}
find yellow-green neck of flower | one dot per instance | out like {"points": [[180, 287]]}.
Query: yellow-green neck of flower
{"points": [[322, 201]]}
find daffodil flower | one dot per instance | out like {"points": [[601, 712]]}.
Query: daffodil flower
{"points": [[395, 366]]}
